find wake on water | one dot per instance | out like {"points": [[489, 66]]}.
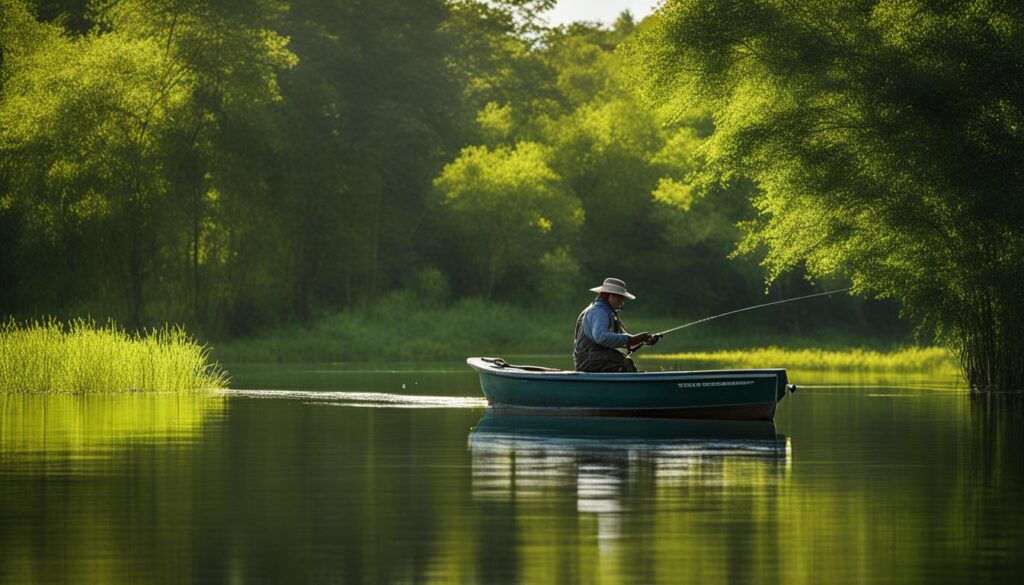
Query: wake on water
{"points": [[551, 441], [363, 399]]}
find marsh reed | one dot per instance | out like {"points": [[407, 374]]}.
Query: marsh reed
{"points": [[81, 356]]}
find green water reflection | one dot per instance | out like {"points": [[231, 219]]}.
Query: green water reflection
{"points": [[70, 427], [95, 487], [868, 483], [619, 476]]}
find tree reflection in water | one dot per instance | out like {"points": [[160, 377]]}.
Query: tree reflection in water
{"points": [[604, 463]]}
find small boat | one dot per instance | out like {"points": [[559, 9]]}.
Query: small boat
{"points": [[712, 394]]}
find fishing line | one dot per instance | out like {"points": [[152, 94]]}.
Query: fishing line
{"points": [[667, 331]]}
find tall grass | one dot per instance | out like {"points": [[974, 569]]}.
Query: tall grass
{"points": [[81, 356], [908, 359]]}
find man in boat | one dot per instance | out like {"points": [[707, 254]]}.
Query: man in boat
{"points": [[602, 342]]}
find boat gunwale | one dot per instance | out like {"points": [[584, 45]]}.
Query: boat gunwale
{"points": [[483, 367]]}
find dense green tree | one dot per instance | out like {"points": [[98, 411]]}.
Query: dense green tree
{"points": [[621, 161], [239, 163], [615, 157], [510, 206], [495, 58], [76, 142], [885, 138], [94, 128], [370, 120]]}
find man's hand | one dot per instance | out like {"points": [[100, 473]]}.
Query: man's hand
{"points": [[638, 339], [654, 339]]}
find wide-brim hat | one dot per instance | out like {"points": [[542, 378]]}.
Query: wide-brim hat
{"points": [[614, 286]]}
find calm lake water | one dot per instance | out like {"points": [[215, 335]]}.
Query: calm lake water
{"points": [[396, 473]]}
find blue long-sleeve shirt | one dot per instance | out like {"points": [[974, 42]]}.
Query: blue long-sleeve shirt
{"points": [[597, 325]]}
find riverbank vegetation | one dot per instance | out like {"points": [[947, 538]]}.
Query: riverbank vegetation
{"points": [[246, 166], [403, 326], [81, 356]]}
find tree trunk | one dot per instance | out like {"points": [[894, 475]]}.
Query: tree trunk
{"points": [[198, 183], [196, 222], [135, 272], [492, 275], [988, 343], [377, 195]]}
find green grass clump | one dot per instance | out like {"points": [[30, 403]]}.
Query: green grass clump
{"points": [[81, 356], [914, 358]]}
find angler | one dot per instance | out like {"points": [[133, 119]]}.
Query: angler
{"points": [[602, 343]]}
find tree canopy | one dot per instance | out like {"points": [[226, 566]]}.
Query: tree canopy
{"points": [[234, 165], [885, 139]]}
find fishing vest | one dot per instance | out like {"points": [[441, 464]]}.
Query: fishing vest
{"points": [[589, 356]]}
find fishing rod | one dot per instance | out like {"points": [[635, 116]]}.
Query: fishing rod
{"points": [[705, 319], [755, 307]]}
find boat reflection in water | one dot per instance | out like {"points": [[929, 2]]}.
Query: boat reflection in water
{"points": [[613, 466]]}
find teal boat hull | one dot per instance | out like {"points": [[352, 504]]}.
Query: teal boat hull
{"points": [[712, 394]]}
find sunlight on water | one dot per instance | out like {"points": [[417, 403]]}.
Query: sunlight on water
{"points": [[87, 426]]}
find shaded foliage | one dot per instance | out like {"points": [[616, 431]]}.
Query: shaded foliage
{"points": [[885, 139], [236, 165]]}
